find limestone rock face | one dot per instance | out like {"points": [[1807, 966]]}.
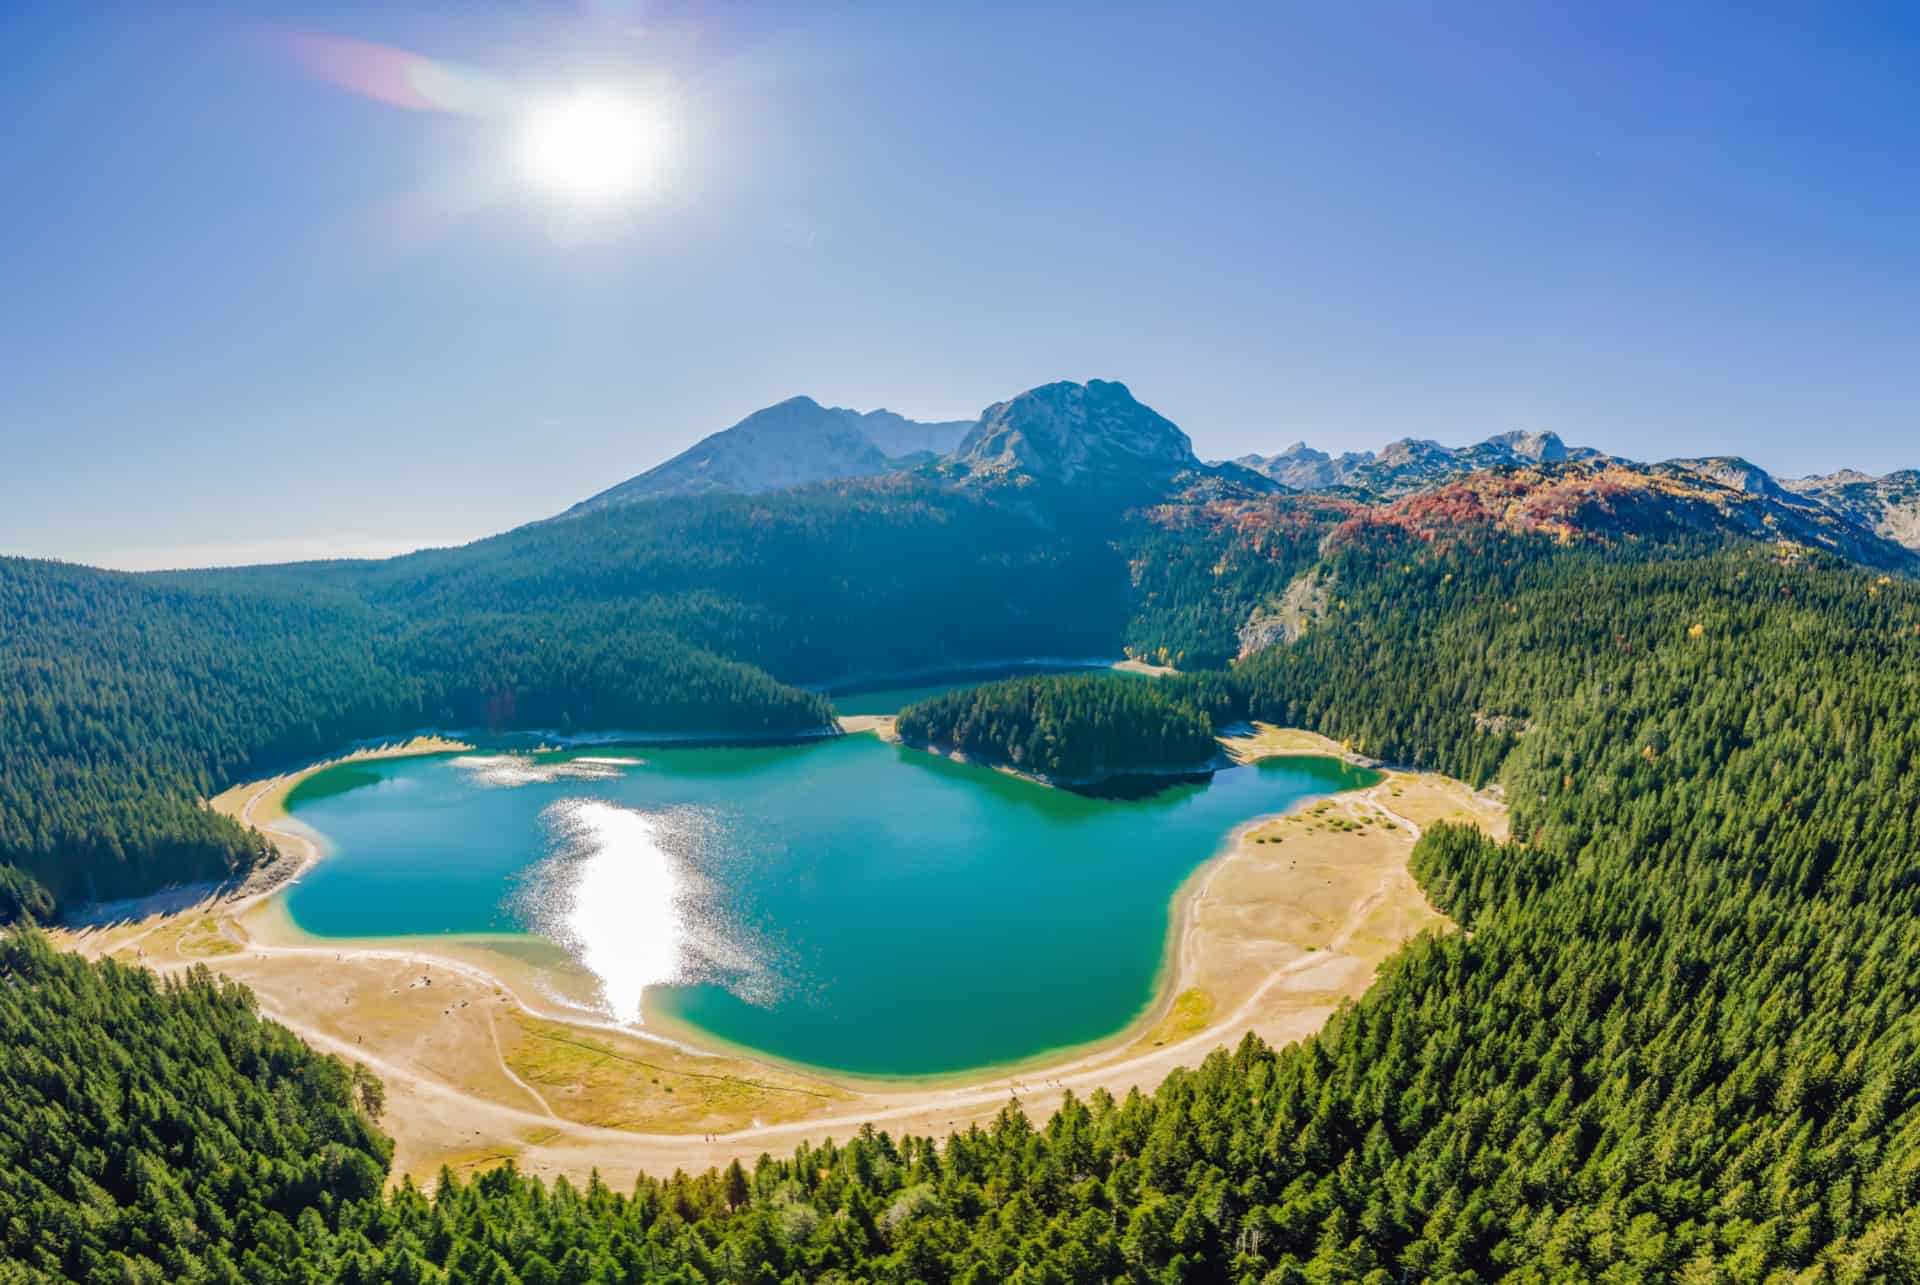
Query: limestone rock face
{"points": [[1287, 619], [1301, 468], [1076, 435], [1409, 464], [1732, 471], [1546, 448], [1888, 506]]}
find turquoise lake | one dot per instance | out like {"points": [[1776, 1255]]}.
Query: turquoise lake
{"points": [[845, 904]]}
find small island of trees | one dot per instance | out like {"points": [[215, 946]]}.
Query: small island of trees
{"points": [[1071, 728]]}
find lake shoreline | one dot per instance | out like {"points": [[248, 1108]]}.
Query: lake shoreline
{"points": [[259, 805], [271, 925], [1227, 967], [545, 991]]}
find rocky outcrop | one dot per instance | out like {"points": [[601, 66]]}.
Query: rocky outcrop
{"points": [[1542, 448], [1731, 471], [1288, 617], [1408, 465], [1301, 468], [1888, 506], [1089, 436]]}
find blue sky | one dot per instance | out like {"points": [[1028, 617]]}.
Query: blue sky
{"points": [[254, 314]]}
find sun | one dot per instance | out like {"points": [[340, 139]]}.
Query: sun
{"points": [[592, 148]]}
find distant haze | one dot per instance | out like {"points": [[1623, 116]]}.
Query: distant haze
{"points": [[798, 441], [305, 548]]}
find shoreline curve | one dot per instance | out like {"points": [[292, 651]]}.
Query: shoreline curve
{"points": [[255, 950]]}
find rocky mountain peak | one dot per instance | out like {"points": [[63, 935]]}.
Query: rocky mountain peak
{"points": [[1076, 434], [1411, 450], [1545, 447]]}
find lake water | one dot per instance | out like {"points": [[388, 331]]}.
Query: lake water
{"points": [[846, 904]]}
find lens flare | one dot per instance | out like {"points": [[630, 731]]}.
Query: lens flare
{"points": [[398, 78], [588, 150]]}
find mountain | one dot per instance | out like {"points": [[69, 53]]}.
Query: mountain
{"points": [[1731, 471], [793, 443], [1610, 500], [1876, 508], [1545, 447], [1301, 468], [1409, 464], [1888, 506], [1092, 435], [1851, 513]]}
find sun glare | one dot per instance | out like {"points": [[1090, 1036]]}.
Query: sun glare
{"points": [[593, 148]]}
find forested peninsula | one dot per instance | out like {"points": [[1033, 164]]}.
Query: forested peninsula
{"points": [[1074, 729]]}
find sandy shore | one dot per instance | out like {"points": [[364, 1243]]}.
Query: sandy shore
{"points": [[262, 805], [488, 1056]]}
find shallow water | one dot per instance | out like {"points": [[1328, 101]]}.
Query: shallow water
{"points": [[846, 904]]}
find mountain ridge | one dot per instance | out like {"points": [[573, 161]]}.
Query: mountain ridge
{"points": [[1097, 438], [1408, 463], [1883, 509], [790, 443]]}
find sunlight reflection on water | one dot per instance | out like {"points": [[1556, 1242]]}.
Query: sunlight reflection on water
{"points": [[622, 895], [521, 769]]}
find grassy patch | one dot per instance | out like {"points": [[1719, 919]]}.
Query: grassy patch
{"points": [[1188, 1015], [203, 938], [466, 1164], [596, 1081]]}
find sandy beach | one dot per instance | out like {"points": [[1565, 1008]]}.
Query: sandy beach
{"points": [[489, 1053]]}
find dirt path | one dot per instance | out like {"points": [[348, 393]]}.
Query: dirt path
{"points": [[493, 1035]]}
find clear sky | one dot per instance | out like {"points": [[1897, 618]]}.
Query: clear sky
{"points": [[283, 283]]}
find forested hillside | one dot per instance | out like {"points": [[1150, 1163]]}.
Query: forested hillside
{"points": [[1200, 570], [811, 585], [1680, 1041], [161, 1132], [126, 700]]}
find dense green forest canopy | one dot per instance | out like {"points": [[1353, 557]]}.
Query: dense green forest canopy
{"points": [[126, 701], [1077, 727], [160, 1131], [1679, 1041]]}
